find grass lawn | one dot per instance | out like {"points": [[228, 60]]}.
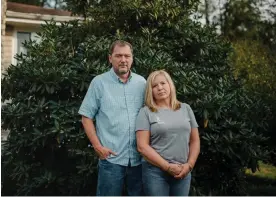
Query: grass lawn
{"points": [[263, 182]]}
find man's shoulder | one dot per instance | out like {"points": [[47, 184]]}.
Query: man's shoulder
{"points": [[100, 77], [138, 77]]}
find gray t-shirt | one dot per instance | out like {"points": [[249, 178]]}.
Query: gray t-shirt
{"points": [[169, 131]]}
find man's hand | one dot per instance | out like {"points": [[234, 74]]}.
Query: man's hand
{"points": [[185, 170], [174, 169], [104, 152]]}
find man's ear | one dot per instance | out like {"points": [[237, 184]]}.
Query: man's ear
{"points": [[109, 58]]}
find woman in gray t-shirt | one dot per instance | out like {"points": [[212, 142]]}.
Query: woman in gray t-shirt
{"points": [[167, 137]]}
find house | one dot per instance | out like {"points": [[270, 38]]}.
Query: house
{"points": [[20, 22]]}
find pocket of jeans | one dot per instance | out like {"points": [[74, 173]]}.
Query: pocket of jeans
{"points": [[103, 162]]}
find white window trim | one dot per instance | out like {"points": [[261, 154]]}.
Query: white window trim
{"points": [[14, 43], [14, 48]]}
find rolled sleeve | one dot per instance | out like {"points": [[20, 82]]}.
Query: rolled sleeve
{"points": [[91, 101], [142, 121], [192, 117]]}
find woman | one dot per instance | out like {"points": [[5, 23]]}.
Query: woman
{"points": [[167, 137]]}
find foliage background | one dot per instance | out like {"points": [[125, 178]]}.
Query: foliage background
{"points": [[47, 152]]}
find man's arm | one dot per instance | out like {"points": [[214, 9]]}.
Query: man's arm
{"points": [[103, 152]]}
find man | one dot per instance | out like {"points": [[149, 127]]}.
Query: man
{"points": [[114, 99]]}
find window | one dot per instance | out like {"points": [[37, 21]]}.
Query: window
{"points": [[21, 38]]}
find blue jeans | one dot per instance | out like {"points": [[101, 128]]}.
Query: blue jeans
{"points": [[157, 182], [111, 178]]}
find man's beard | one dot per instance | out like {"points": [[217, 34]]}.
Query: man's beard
{"points": [[122, 72]]}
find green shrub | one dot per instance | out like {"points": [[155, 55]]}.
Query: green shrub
{"points": [[47, 152]]}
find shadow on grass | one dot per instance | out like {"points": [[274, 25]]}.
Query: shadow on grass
{"points": [[260, 186]]}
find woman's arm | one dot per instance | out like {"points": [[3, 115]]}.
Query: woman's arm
{"points": [[143, 146], [194, 147]]}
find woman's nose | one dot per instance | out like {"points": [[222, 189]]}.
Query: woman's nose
{"points": [[159, 87]]}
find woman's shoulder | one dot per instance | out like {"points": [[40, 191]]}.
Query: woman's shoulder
{"points": [[145, 108], [144, 112], [185, 106]]}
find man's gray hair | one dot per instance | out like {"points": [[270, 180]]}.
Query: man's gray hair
{"points": [[121, 43]]}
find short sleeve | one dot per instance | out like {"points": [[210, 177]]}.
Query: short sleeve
{"points": [[91, 101], [192, 117], [142, 121]]}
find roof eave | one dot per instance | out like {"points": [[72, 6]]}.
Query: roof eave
{"points": [[32, 18]]}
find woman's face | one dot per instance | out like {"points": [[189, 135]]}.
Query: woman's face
{"points": [[160, 88]]}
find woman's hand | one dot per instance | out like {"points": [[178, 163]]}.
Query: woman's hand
{"points": [[174, 169], [185, 170]]}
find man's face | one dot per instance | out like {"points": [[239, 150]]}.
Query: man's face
{"points": [[121, 59]]}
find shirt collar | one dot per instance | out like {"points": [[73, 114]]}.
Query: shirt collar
{"points": [[117, 78]]}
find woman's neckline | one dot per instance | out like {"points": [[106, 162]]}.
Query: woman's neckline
{"points": [[164, 108]]}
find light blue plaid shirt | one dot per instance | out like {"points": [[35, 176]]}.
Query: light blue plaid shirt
{"points": [[115, 106]]}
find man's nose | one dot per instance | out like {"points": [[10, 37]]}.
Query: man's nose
{"points": [[123, 58]]}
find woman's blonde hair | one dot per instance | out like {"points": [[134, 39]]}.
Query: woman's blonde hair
{"points": [[149, 100]]}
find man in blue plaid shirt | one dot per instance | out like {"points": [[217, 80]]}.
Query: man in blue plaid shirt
{"points": [[114, 99]]}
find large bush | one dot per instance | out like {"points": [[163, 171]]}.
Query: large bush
{"points": [[47, 152]]}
